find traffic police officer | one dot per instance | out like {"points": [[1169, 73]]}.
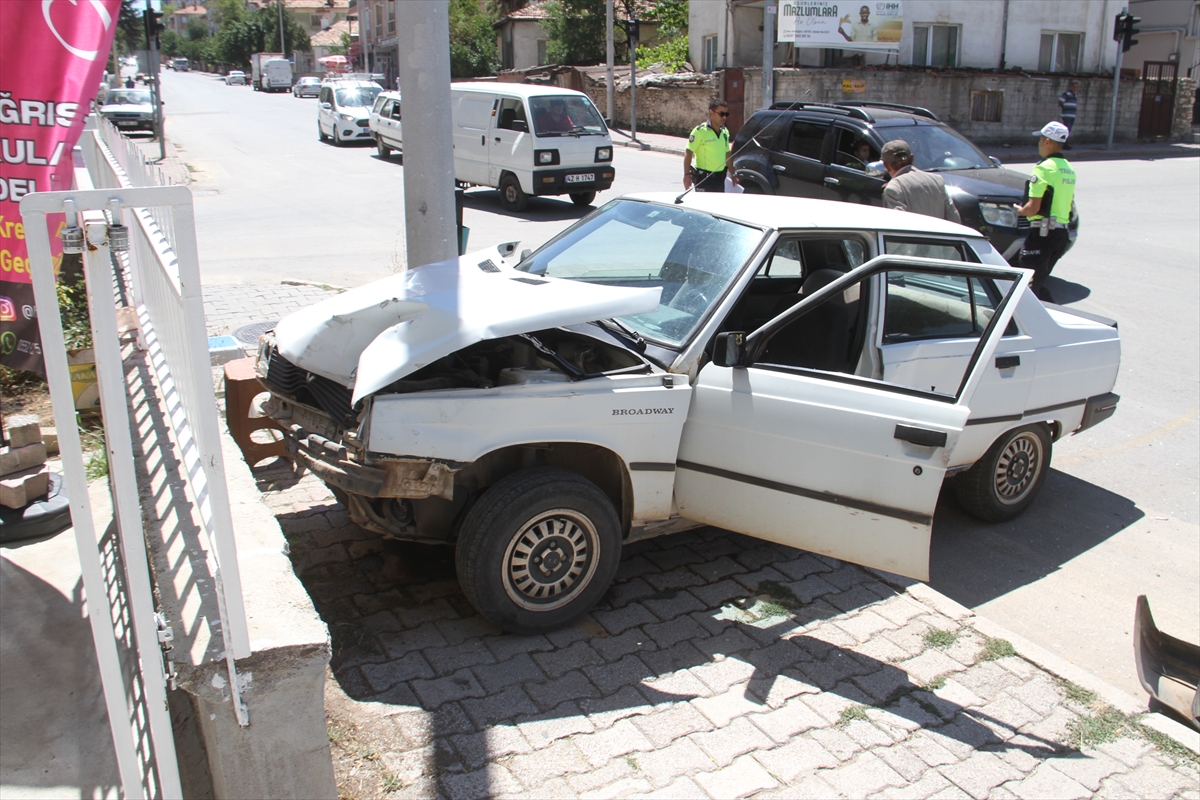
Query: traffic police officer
{"points": [[708, 147], [1051, 196]]}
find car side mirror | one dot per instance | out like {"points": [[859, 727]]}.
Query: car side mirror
{"points": [[520, 125], [995, 161], [327, 106], [730, 349]]}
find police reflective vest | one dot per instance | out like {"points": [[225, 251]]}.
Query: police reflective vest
{"points": [[708, 147], [1054, 181]]}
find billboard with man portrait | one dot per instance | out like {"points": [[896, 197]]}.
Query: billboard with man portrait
{"points": [[871, 25]]}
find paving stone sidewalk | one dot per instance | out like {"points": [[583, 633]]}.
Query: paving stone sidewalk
{"points": [[716, 666]]}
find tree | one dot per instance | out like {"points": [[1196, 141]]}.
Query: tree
{"points": [[296, 37], [472, 41], [671, 50], [575, 31]]}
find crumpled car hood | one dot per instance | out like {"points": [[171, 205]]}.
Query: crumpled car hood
{"points": [[378, 333]]}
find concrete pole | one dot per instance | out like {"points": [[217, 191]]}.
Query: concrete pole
{"points": [[768, 58], [633, 82], [423, 39], [611, 56]]}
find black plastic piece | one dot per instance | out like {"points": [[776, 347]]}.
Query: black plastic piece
{"points": [[921, 436], [40, 520], [1007, 362]]}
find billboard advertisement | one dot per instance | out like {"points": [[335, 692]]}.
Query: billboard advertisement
{"points": [[52, 57], [872, 25]]}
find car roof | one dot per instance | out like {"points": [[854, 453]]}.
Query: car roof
{"points": [[388, 95], [783, 213], [522, 90]]}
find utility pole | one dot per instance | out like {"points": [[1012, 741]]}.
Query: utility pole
{"points": [[282, 40], [423, 34], [611, 56], [768, 58], [150, 19], [633, 40]]}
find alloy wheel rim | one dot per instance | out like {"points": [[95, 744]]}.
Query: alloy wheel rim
{"points": [[1017, 468], [550, 560]]}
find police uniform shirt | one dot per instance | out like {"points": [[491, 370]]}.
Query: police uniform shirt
{"points": [[708, 147], [1053, 174]]}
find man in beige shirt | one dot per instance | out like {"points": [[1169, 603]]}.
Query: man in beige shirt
{"points": [[910, 189]]}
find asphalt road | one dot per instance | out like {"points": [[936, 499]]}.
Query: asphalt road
{"points": [[1119, 513]]}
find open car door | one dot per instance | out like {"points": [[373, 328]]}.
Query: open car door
{"points": [[789, 439]]}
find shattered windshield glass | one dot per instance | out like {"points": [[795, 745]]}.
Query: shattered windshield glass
{"points": [[691, 255]]}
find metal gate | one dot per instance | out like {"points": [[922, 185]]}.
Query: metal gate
{"points": [[1159, 81]]}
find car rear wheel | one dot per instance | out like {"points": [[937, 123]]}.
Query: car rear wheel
{"points": [[384, 150], [1006, 480], [583, 198], [538, 550], [511, 195]]}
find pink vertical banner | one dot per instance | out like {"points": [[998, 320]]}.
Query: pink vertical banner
{"points": [[52, 57]]}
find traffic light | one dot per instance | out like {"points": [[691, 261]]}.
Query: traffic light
{"points": [[1124, 29], [154, 26]]}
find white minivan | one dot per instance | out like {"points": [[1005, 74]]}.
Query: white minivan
{"points": [[342, 110], [530, 141]]}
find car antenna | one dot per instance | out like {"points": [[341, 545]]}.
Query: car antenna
{"points": [[790, 106]]}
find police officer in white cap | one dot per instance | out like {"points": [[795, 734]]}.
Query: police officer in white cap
{"points": [[1051, 197]]}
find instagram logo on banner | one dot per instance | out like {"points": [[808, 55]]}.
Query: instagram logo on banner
{"points": [[8, 311]]}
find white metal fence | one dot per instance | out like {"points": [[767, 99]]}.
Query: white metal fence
{"points": [[162, 268]]}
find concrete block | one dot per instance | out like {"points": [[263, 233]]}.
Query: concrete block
{"points": [[18, 489], [15, 459], [50, 439], [23, 430], [223, 349]]}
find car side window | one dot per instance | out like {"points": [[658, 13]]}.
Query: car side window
{"points": [[806, 140], [929, 248], [785, 261], [395, 109], [924, 305], [512, 115], [853, 151], [828, 336]]}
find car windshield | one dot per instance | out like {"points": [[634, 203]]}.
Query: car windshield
{"points": [[692, 256], [359, 96], [128, 98], [566, 115], [939, 148]]}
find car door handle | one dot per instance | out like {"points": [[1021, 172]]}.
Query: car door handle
{"points": [[1007, 362], [780, 168], [832, 181], [921, 436], [497, 140], [483, 140]]}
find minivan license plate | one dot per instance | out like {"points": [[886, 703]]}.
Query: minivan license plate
{"points": [[587, 177]]}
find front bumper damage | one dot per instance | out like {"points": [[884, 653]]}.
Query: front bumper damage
{"points": [[1168, 668]]}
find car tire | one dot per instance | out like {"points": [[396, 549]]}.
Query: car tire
{"points": [[320, 133], [384, 150], [751, 188], [583, 198], [545, 516], [512, 197], [1006, 480], [338, 141]]}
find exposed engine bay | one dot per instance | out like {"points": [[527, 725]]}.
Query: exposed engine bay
{"points": [[415, 498]]}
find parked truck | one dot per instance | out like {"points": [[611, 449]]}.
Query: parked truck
{"points": [[270, 72]]}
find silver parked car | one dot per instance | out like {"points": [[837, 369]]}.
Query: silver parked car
{"points": [[235, 78], [306, 87]]}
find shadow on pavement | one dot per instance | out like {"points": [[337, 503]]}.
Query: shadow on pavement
{"points": [[1065, 292], [540, 209], [973, 561], [55, 739], [704, 619]]}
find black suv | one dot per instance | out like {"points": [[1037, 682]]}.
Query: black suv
{"points": [[830, 151]]}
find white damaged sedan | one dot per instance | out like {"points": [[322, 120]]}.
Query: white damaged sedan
{"points": [[794, 370]]}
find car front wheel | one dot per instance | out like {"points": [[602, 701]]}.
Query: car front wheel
{"points": [[384, 150], [538, 550], [511, 195], [583, 198], [320, 133], [1006, 480]]}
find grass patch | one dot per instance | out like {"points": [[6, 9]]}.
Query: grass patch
{"points": [[95, 454], [1106, 724], [1168, 745], [1078, 694], [995, 648], [934, 684], [854, 713], [939, 638], [632, 762], [775, 592], [388, 782]]}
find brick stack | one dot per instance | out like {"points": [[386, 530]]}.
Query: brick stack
{"points": [[23, 473]]}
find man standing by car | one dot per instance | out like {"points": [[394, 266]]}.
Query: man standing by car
{"points": [[910, 189], [709, 149], [1051, 195]]}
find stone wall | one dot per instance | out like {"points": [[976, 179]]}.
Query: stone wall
{"points": [[665, 103], [1185, 101]]}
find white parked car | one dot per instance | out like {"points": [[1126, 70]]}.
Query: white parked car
{"points": [[384, 124], [343, 108], [235, 78], [801, 371], [129, 109], [306, 87]]}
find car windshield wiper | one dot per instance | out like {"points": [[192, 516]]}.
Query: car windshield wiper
{"points": [[624, 331]]}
